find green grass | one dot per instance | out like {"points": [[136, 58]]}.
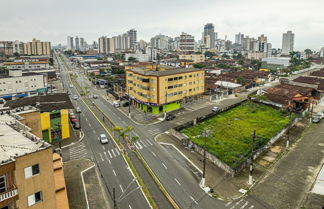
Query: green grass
{"points": [[231, 131]]}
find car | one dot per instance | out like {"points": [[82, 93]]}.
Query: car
{"points": [[216, 109], [78, 110], [317, 118], [71, 86], [95, 96], [76, 125], [74, 120], [170, 117], [125, 104], [103, 139], [75, 97], [73, 117], [116, 104]]}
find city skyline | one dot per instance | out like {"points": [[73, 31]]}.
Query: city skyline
{"points": [[61, 19]]}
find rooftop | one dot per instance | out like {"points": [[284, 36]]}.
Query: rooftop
{"points": [[45, 103], [16, 140], [170, 71]]}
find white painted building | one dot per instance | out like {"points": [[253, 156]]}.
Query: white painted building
{"points": [[18, 84], [27, 65], [138, 56], [277, 60], [287, 43], [321, 54]]}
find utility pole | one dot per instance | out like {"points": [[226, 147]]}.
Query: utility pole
{"points": [[129, 101], [251, 165], [114, 198], [288, 131], [79, 118], [165, 105], [205, 134]]}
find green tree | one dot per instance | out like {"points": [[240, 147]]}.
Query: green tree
{"points": [[199, 65], [308, 52], [16, 54], [51, 61], [132, 59], [119, 130], [209, 54]]}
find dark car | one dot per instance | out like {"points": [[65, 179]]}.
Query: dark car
{"points": [[125, 104], [170, 117], [76, 125]]}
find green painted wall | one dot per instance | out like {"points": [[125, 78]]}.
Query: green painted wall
{"points": [[172, 106], [155, 110]]}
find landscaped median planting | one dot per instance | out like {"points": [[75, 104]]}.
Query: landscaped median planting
{"points": [[231, 137]]}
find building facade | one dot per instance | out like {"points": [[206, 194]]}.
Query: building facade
{"points": [[18, 85], [288, 40], [37, 47], [209, 36], [164, 90], [70, 44], [187, 43], [196, 58], [132, 33], [26, 168], [239, 38]]}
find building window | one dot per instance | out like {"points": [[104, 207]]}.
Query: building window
{"points": [[34, 198], [170, 79], [31, 171], [2, 184]]}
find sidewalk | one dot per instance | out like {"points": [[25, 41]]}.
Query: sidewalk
{"points": [[76, 194], [225, 186]]}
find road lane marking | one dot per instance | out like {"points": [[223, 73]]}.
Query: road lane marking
{"points": [[130, 207], [153, 154], [121, 188], [252, 206], [227, 204], [112, 151], [94, 131], [101, 157], [103, 147], [108, 161], [193, 200], [109, 154], [136, 145], [114, 172], [148, 141], [90, 125], [164, 166], [245, 204], [117, 151], [177, 181]]}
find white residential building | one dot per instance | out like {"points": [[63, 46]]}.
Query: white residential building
{"points": [[321, 54], [70, 45], [18, 84], [138, 56], [287, 43]]}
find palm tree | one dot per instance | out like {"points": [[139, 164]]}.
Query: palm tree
{"points": [[118, 130]]}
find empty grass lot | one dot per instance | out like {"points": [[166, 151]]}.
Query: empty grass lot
{"points": [[231, 131]]}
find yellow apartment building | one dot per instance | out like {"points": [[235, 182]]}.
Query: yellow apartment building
{"points": [[164, 90], [196, 58]]}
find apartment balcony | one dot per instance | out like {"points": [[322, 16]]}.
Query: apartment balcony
{"points": [[9, 194]]}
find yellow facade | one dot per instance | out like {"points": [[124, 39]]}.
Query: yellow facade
{"points": [[165, 88], [64, 124]]}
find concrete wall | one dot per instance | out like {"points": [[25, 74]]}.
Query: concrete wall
{"points": [[42, 182]]}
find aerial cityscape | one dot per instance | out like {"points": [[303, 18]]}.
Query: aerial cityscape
{"points": [[162, 104]]}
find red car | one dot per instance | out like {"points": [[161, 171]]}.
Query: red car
{"points": [[74, 120]]}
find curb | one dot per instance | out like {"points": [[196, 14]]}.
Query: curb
{"points": [[73, 143]]}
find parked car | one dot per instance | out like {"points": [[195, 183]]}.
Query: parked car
{"points": [[318, 117], [74, 120], [103, 139], [95, 96], [71, 86], [73, 117], [78, 110], [125, 104], [170, 117], [116, 104], [75, 97], [216, 109], [76, 125]]}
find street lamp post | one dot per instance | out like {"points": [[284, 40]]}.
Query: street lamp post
{"points": [[288, 131], [205, 134], [129, 105], [251, 165]]}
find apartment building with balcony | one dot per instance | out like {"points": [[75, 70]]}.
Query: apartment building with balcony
{"points": [[163, 90], [26, 167]]}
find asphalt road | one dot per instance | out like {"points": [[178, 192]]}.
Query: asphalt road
{"points": [[114, 170], [175, 176]]}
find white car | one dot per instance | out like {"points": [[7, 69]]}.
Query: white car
{"points": [[116, 104], [216, 109], [75, 97], [78, 110], [103, 139], [71, 86]]}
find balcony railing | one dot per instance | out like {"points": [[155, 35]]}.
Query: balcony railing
{"points": [[8, 194]]}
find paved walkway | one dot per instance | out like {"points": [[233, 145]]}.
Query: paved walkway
{"points": [[286, 184]]}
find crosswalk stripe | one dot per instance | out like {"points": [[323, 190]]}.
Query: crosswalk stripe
{"points": [[112, 151], [227, 204], [109, 154], [144, 144], [117, 151], [148, 141], [136, 145], [252, 206], [245, 204], [139, 145]]}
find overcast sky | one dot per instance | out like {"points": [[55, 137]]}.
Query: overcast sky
{"points": [[54, 20]]}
